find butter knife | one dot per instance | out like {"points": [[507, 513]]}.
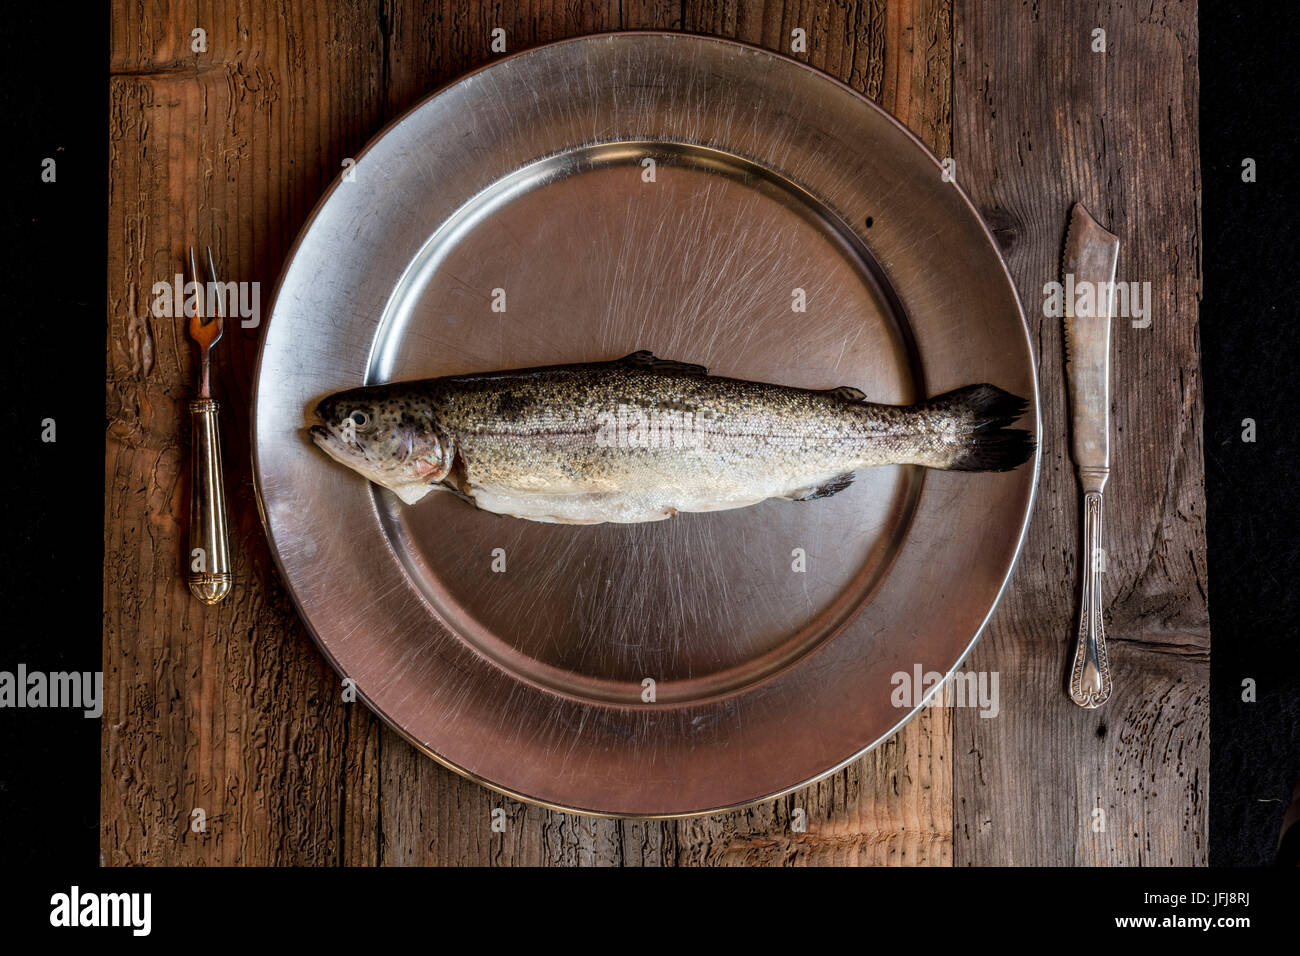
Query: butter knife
{"points": [[1090, 257]]}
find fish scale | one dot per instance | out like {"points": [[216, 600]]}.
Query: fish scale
{"points": [[642, 438]]}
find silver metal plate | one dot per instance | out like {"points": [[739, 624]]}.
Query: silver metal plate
{"points": [[528, 182]]}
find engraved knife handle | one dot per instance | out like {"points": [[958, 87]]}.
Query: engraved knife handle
{"points": [[1090, 675], [209, 558]]}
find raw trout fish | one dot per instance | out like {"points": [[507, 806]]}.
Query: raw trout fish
{"points": [[642, 438]]}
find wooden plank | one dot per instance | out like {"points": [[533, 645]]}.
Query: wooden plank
{"points": [[1039, 121], [893, 806], [431, 815], [228, 710]]}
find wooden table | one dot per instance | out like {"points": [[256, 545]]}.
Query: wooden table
{"points": [[228, 717]]}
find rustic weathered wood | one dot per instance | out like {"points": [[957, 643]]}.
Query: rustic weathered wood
{"points": [[1040, 120], [893, 806], [228, 710], [233, 711]]}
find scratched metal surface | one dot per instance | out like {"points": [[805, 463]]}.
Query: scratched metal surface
{"points": [[528, 176]]}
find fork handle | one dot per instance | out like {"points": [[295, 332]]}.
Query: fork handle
{"points": [[209, 559], [1090, 675]]}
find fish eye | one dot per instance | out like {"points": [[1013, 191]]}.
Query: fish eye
{"points": [[359, 418]]}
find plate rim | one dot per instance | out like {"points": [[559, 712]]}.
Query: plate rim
{"points": [[314, 214]]}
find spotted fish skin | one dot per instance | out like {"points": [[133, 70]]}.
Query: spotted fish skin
{"points": [[642, 438]]}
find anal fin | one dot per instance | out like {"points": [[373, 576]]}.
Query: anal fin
{"points": [[832, 487]]}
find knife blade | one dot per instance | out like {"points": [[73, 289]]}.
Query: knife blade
{"points": [[1088, 281], [1088, 268]]}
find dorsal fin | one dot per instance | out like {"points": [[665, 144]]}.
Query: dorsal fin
{"points": [[848, 393], [646, 359]]}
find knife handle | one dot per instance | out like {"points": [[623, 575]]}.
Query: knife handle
{"points": [[209, 558], [1090, 675]]}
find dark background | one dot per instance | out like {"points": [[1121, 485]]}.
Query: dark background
{"points": [[52, 274], [52, 290], [1250, 343]]}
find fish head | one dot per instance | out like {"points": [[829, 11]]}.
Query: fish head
{"points": [[385, 435]]}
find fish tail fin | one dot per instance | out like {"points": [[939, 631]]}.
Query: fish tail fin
{"points": [[984, 443]]}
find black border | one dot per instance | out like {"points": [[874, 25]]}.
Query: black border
{"points": [[54, 97], [52, 273], [1250, 345]]}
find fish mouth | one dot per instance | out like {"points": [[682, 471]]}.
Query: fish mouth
{"points": [[329, 441], [325, 438]]}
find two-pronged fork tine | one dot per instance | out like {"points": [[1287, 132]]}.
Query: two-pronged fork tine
{"points": [[205, 331], [209, 575]]}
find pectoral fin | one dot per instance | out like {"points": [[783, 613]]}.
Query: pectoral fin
{"points": [[411, 492]]}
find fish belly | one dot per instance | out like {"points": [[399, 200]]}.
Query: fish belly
{"points": [[601, 507], [566, 485]]}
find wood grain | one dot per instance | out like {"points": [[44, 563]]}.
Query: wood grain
{"points": [[894, 805], [231, 710], [1118, 131], [228, 711]]}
